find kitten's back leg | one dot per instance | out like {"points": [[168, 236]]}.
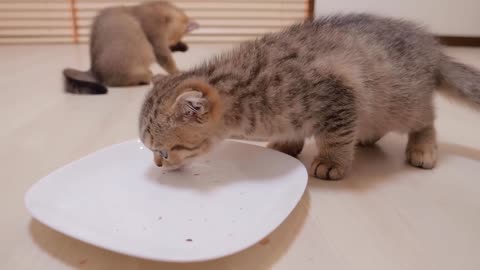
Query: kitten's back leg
{"points": [[140, 76], [422, 148]]}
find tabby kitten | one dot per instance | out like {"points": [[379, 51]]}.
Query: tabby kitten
{"points": [[343, 79], [125, 41]]}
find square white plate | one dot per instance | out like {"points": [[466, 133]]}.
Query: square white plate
{"points": [[118, 199]]}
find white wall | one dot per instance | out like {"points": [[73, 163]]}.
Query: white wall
{"points": [[443, 17]]}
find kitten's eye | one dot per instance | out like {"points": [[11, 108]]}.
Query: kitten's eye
{"points": [[164, 154]]}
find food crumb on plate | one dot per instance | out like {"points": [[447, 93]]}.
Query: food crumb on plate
{"points": [[196, 174], [189, 240], [264, 241], [159, 218]]}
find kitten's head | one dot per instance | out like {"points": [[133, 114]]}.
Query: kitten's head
{"points": [[176, 20], [180, 121]]}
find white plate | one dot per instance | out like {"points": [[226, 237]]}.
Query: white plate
{"points": [[223, 203]]}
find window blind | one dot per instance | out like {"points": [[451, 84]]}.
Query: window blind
{"points": [[69, 21]]}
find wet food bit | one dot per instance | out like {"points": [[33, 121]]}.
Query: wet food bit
{"points": [[264, 241]]}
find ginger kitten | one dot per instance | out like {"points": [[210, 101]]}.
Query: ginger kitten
{"points": [[343, 79], [125, 41]]}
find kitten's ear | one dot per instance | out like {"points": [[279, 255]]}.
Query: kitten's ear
{"points": [[192, 25], [192, 105], [199, 101]]}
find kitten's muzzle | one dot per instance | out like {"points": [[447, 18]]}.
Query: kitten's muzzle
{"points": [[158, 160]]}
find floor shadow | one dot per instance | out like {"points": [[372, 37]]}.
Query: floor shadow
{"points": [[261, 256], [382, 163], [372, 166]]}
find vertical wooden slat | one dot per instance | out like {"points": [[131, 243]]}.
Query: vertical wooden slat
{"points": [[310, 9], [73, 11]]}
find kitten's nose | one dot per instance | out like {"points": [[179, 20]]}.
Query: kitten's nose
{"points": [[158, 161]]}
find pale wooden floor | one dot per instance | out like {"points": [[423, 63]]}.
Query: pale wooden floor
{"points": [[385, 215]]}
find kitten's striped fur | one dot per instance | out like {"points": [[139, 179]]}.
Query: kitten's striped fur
{"points": [[344, 80]]}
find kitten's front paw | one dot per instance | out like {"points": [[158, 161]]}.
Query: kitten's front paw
{"points": [[424, 157], [328, 170]]}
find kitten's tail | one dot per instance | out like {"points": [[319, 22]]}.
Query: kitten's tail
{"points": [[82, 82], [460, 82]]}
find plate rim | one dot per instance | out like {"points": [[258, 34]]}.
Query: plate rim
{"points": [[65, 232]]}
